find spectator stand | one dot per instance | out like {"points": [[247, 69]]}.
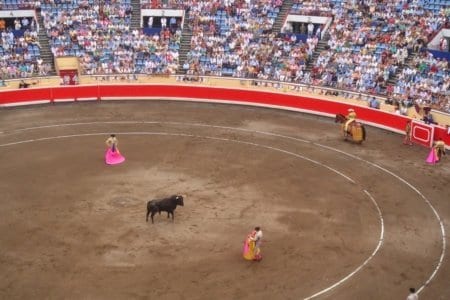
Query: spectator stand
{"points": [[227, 38], [306, 25], [19, 45], [100, 36], [17, 4], [157, 21], [152, 19], [425, 82], [369, 43]]}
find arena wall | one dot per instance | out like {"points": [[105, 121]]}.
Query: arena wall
{"points": [[279, 100]]}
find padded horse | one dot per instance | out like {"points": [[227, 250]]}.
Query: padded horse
{"points": [[356, 130]]}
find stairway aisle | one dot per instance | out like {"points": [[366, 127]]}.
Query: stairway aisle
{"points": [[408, 62], [319, 48], [185, 45], [282, 15], [135, 22], [45, 50]]}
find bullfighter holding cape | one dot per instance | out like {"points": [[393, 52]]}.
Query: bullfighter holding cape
{"points": [[252, 243], [112, 155]]}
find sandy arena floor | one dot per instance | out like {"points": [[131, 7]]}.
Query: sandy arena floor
{"points": [[340, 220]]}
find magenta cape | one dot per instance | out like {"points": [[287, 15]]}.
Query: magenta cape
{"points": [[113, 158], [432, 157]]}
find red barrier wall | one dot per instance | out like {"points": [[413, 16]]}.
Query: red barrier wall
{"points": [[374, 117]]}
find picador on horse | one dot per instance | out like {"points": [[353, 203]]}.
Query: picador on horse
{"points": [[350, 127]]}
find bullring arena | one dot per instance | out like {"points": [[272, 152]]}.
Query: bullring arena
{"points": [[340, 220], [239, 107]]}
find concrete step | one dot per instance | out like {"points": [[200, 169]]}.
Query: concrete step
{"points": [[284, 10], [46, 53], [185, 46], [321, 45], [135, 22], [408, 63]]}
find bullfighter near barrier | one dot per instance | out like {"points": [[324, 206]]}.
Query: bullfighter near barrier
{"points": [[437, 151], [439, 147], [350, 127]]}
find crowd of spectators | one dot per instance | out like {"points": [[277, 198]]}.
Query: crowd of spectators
{"points": [[425, 82], [20, 49], [312, 8], [99, 34], [370, 40], [236, 39], [367, 42], [19, 4], [166, 4]]}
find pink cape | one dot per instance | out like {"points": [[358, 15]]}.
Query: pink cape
{"points": [[113, 158], [432, 157]]}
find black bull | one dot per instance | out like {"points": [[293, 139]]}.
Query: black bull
{"points": [[166, 204]]}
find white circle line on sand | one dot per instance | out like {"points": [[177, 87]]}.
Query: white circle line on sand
{"points": [[153, 122], [180, 134], [245, 143], [441, 223], [380, 243], [442, 228]]}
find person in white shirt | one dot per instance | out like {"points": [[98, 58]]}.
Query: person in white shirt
{"points": [[412, 294], [257, 237], [150, 22], [112, 143], [310, 29]]}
